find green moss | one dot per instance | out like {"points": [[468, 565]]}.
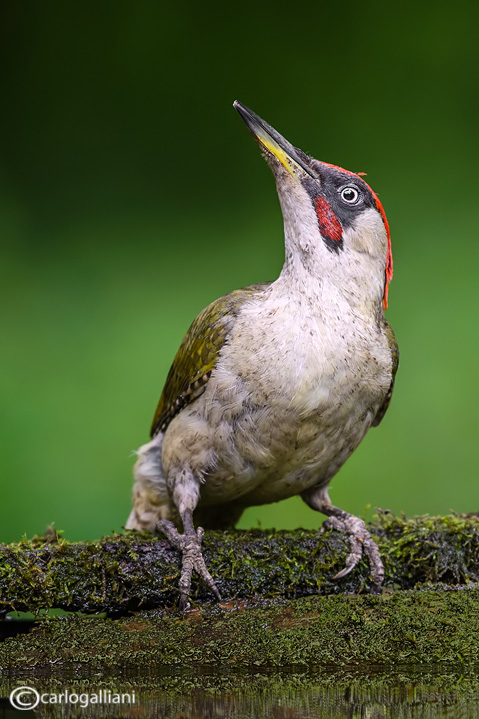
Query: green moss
{"points": [[125, 573], [395, 629]]}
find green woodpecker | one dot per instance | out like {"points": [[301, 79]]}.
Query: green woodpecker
{"points": [[275, 385]]}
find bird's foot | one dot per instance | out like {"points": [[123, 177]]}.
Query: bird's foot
{"points": [[189, 544], [360, 541]]}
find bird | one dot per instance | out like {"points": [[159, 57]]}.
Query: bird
{"points": [[276, 384]]}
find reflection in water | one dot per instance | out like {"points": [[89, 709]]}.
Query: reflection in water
{"points": [[280, 695]]}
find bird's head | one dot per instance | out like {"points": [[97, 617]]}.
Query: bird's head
{"points": [[334, 222]]}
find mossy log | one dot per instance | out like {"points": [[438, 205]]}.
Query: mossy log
{"points": [[132, 572], [400, 628], [271, 619]]}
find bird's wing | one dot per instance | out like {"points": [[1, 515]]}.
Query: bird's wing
{"points": [[393, 346], [198, 354]]}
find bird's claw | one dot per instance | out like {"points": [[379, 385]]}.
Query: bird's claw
{"points": [[189, 544], [360, 540]]}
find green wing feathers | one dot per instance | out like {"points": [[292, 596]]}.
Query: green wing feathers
{"points": [[393, 345], [198, 355]]}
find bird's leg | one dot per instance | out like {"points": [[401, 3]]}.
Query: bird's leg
{"points": [[189, 544], [360, 539]]}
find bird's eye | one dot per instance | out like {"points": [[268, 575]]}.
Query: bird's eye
{"points": [[350, 195]]}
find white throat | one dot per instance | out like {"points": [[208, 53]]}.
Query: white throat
{"points": [[355, 272]]}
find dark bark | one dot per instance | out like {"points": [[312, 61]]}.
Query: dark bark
{"points": [[132, 572]]}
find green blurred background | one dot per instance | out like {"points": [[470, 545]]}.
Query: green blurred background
{"points": [[131, 195]]}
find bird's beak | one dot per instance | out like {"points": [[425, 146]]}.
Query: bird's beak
{"points": [[274, 143]]}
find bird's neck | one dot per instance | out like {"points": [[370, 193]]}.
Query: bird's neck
{"points": [[323, 276], [354, 285]]}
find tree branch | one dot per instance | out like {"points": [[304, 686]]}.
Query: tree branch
{"points": [[132, 572]]}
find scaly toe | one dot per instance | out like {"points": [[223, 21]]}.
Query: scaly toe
{"points": [[361, 542], [207, 578], [189, 544], [171, 533]]}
